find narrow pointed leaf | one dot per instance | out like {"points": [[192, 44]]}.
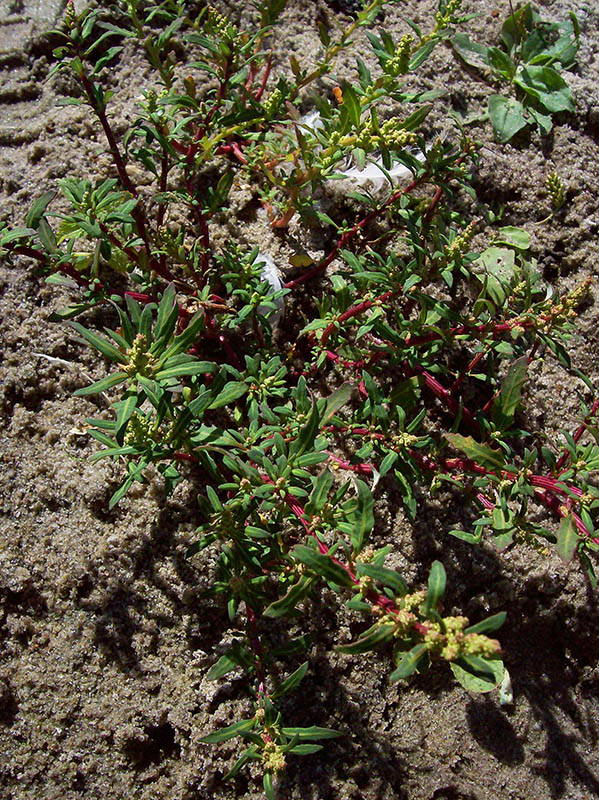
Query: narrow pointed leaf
{"points": [[323, 566], [373, 637], [436, 587], [97, 342], [408, 663], [484, 455], [291, 682], [230, 732], [102, 385], [490, 624], [288, 602]]}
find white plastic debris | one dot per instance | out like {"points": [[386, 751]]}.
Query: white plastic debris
{"points": [[270, 274], [312, 121], [506, 695], [375, 175]]}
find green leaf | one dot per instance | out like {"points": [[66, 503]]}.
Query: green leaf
{"points": [[323, 566], [364, 517], [305, 749], [320, 492], [286, 604], [229, 393], [168, 312], [267, 783], [125, 409], [437, 580], [230, 732], [98, 343], [483, 454], [291, 682], [490, 624], [312, 733], [307, 434], [47, 237], [336, 400], [352, 104], [507, 116], [187, 338], [513, 237], [465, 536], [408, 663], [374, 636], [500, 62], [236, 656], [247, 755], [384, 576], [567, 538], [102, 385], [474, 54], [38, 208], [547, 86], [191, 367], [222, 667], [509, 397], [477, 674]]}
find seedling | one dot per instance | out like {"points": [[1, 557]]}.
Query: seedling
{"points": [[533, 54]]}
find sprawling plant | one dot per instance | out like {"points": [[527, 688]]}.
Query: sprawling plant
{"points": [[403, 368]]}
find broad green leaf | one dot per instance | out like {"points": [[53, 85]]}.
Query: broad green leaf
{"points": [[364, 517], [490, 624], [513, 237], [187, 338], [408, 663], [222, 667], [101, 386], [483, 454], [167, 314], [324, 566], [507, 116], [500, 62], [236, 656], [567, 538], [437, 581], [230, 732], [375, 635], [471, 52], [477, 674], [14, 234], [547, 86]]}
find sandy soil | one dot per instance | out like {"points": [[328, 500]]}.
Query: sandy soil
{"points": [[103, 642]]}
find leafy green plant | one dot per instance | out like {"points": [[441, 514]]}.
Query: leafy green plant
{"points": [[531, 59], [404, 368]]}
